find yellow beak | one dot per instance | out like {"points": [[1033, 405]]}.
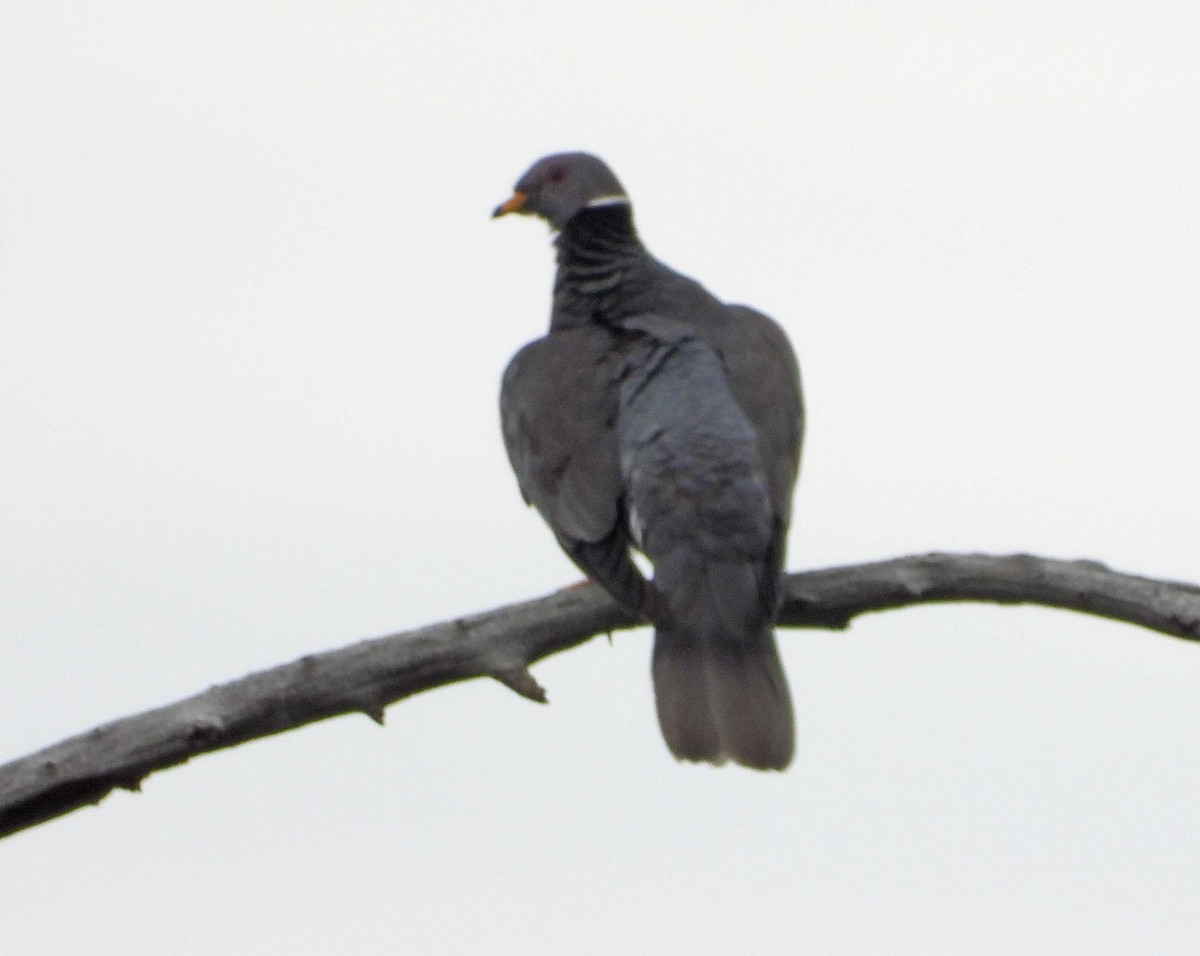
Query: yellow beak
{"points": [[513, 204]]}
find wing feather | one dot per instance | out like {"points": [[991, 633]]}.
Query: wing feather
{"points": [[558, 410]]}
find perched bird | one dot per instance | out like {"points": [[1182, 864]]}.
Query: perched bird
{"points": [[654, 416]]}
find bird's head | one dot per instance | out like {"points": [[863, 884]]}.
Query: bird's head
{"points": [[559, 186]]}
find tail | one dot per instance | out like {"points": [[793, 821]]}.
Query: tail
{"points": [[718, 682]]}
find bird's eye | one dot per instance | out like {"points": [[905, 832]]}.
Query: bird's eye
{"points": [[557, 175]]}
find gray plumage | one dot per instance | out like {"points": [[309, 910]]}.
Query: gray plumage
{"points": [[653, 416]]}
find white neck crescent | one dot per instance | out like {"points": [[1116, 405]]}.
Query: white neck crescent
{"points": [[614, 200]]}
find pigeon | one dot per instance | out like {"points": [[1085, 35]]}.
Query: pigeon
{"points": [[654, 417]]}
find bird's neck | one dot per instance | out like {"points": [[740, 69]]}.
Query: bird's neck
{"points": [[597, 249]]}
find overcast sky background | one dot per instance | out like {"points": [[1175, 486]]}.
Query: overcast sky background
{"points": [[253, 316]]}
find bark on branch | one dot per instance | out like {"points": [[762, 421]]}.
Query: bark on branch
{"points": [[367, 676]]}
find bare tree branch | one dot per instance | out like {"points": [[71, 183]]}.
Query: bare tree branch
{"points": [[832, 597], [367, 676]]}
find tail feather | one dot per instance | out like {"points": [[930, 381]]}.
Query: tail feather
{"points": [[680, 676], [719, 684]]}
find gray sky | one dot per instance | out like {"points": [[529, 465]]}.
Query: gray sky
{"points": [[252, 320]]}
